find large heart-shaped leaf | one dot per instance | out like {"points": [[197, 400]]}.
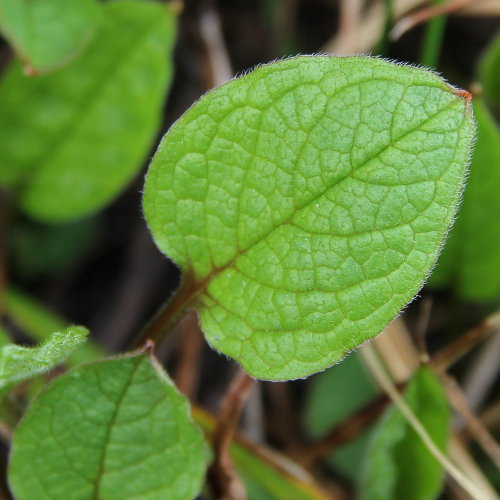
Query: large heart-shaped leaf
{"points": [[306, 203]]}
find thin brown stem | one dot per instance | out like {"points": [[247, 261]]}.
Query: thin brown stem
{"points": [[343, 433], [171, 313], [422, 326], [423, 15], [477, 429], [441, 361], [223, 477], [189, 352]]}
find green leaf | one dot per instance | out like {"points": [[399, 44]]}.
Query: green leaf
{"points": [[267, 475], [39, 323], [398, 465], [73, 139], [348, 388], [110, 430], [471, 257], [306, 203], [48, 33], [20, 363], [489, 74]]}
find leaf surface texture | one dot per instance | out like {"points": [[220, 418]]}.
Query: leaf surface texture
{"points": [[112, 430], [306, 203]]}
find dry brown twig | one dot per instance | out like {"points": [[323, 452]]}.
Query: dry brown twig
{"points": [[441, 361], [408, 22], [346, 431], [222, 474], [459, 402]]}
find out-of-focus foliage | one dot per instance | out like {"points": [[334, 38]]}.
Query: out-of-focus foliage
{"points": [[48, 33], [489, 75], [398, 465], [347, 387], [37, 250], [471, 258], [278, 479], [73, 139]]}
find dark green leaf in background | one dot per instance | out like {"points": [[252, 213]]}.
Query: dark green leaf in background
{"points": [[38, 250], [334, 395], [398, 465], [306, 203], [111, 430], [489, 75], [71, 140], [48, 33], [471, 257]]}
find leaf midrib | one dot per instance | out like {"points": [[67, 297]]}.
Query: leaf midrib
{"points": [[107, 437]]}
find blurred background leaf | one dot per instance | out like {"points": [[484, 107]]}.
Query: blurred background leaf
{"points": [[48, 33], [398, 465], [73, 139], [347, 387]]}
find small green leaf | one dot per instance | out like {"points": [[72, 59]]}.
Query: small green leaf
{"points": [[20, 363], [112, 430], [39, 323], [471, 257], [347, 388], [48, 33], [489, 74], [71, 140], [398, 465], [306, 203]]}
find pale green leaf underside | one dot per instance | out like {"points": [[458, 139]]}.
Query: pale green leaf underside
{"points": [[112, 430], [71, 140], [19, 363], [38, 323], [47, 33], [398, 464], [307, 201]]}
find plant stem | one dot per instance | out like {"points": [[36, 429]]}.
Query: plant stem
{"points": [[463, 344], [223, 476], [431, 47], [171, 312]]}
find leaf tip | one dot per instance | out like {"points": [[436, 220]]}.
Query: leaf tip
{"points": [[148, 347], [464, 94]]}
